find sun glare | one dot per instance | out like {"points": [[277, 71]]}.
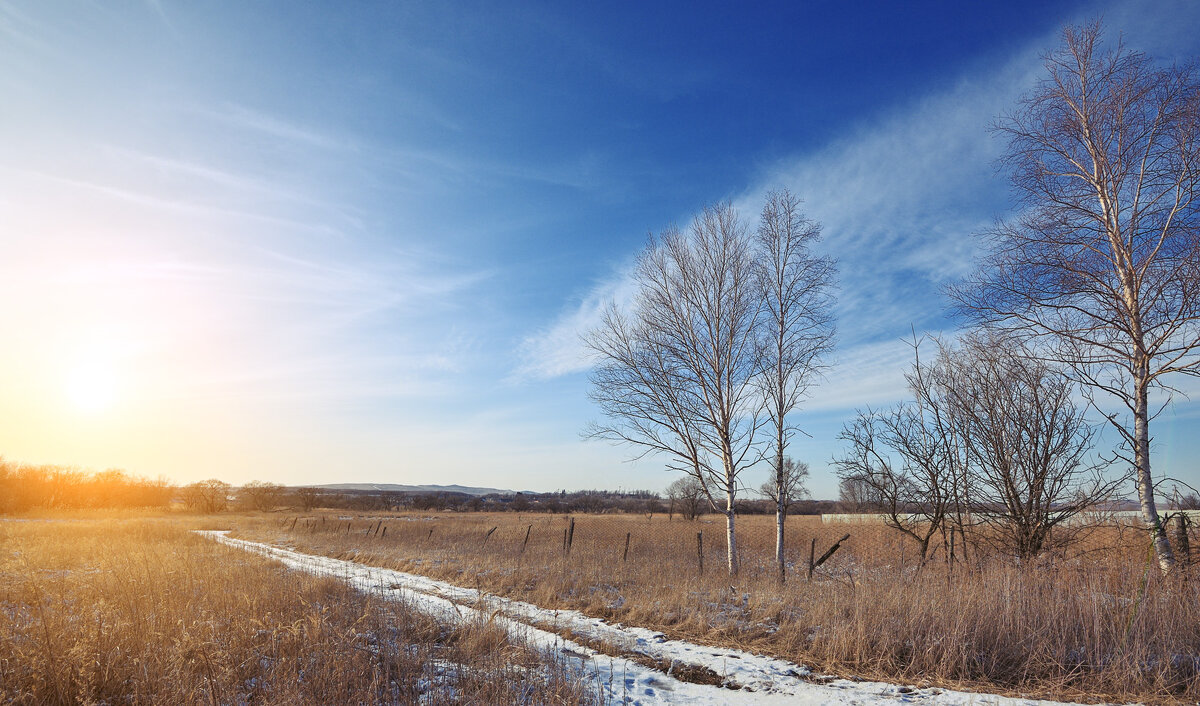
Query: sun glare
{"points": [[91, 388]]}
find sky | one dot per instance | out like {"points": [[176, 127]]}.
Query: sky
{"points": [[358, 242]]}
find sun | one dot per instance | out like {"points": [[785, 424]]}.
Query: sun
{"points": [[91, 387]]}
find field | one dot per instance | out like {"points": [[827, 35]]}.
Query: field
{"points": [[1095, 623], [142, 611]]}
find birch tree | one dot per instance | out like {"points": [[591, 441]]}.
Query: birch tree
{"points": [[1101, 269], [797, 330], [676, 375]]}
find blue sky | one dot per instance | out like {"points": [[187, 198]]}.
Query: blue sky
{"points": [[323, 242]]}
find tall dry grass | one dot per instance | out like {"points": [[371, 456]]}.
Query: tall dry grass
{"points": [[144, 612], [1094, 623]]}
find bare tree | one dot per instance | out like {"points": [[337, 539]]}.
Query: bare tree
{"points": [[908, 460], [797, 328], [207, 496], [686, 496], [261, 495], [1028, 443], [856, 496], [677, 376], [1102, 267], [307, 498], [788, 487], [901, 464]]}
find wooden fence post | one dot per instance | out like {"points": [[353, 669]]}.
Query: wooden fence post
{"points": [[1181, 536], [700, 551], [824, 557], [626, 556], [527, 531]]}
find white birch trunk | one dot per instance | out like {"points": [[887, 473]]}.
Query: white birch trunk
{"points": [[1145, 484]]}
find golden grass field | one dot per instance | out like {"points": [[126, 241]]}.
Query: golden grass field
{"points": [[142, 611], [1091, 624]]}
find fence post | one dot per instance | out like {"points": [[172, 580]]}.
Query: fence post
{"points": [[700, 550], [1181, 534], [824, 557], [527, 531], [812, 555], [489, 534], [571, 535], [626, 555]]}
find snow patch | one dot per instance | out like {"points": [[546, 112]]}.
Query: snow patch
{"points": [[748, 678]]}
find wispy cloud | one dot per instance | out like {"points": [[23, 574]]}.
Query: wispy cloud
{"points": [[902, 195], [898, 197], [22, 29], [267, 125], [190, 205], [558, 349]]}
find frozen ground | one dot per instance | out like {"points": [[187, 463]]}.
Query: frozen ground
{"points": [[748, 678]]}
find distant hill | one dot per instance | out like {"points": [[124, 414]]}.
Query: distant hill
{"points": [[395, 487]]}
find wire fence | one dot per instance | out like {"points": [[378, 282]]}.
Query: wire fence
{"points": [[814, 546]]}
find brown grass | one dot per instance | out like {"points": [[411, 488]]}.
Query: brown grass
{"points": [[144, 612], [1091, 624]]}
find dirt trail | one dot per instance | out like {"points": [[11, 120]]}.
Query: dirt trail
{"points": [[625, 664]]}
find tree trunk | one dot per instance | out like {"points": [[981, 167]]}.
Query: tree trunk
{"points": [[780, 446], [779, 518], [730, 535], [731, 543], [780, 500], [1145, 485]]}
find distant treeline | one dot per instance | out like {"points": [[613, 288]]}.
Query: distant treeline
{"points": [[25, 487], [586, 501], [29, 487]]}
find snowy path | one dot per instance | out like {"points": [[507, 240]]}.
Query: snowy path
{"points": [[763, 680]]}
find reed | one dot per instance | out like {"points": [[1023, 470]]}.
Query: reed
{"points": [[145, 612], [1091, 623]]}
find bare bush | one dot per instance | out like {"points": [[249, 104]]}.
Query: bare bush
{"points": [[307, 499], [206, 496], [907, 461], [1029, 447], [685, 496], [261, 495]]}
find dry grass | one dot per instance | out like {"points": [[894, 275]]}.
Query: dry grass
{"points": [[1088, 625], [144, 612]]}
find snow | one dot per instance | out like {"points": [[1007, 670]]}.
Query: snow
{"points": [[749, 678]]}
